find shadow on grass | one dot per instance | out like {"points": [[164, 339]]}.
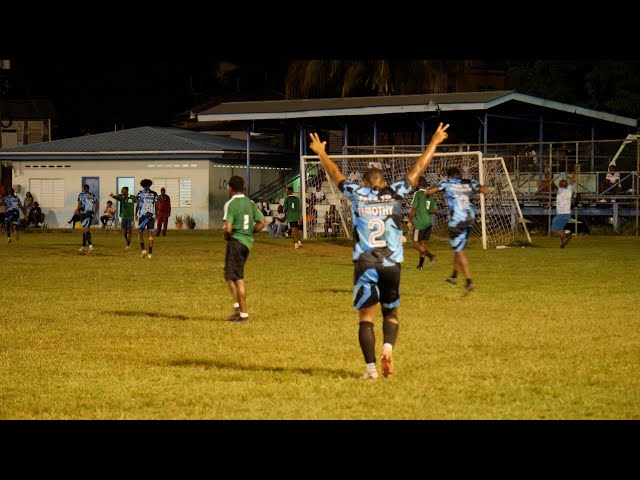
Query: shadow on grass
{"points": [[335, 290], [208, 364], [126, 313]]}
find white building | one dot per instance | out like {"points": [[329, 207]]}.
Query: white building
{"points": [[193, 167]]}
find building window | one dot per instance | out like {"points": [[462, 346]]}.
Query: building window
{"points": [[48, 192], [177, 188]]}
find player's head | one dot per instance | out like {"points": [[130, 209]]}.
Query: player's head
{"points": [[145, 183], [124, 190], [109, 202], [162, 190], [289, 190], [453, 172], [374, 178], [422, 182], [236, 184], [563, 183], [11, 191], [85, 187]]}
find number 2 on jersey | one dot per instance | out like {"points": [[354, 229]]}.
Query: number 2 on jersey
{"points": [[377, 228]]}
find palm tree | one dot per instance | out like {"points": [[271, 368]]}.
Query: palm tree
{"points": [[318, 78]]}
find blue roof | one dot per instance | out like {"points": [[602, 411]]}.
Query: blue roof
{"points": [[148, 141]]}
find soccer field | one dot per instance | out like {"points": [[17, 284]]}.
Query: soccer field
{"points": [[548, 333]]}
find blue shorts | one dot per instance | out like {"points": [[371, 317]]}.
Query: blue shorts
{"points": [[87, 218], [458, 237], [146, 221], [376, 280], [559, 222]]}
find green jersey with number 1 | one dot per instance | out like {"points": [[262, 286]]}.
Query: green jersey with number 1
{"points": [[242, 213]]}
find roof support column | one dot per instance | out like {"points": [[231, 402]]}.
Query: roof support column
{"points": [[248, 134], [486, 131], [540, 137], [375, 136], [593, 147], [345, 142], [422, 134]]}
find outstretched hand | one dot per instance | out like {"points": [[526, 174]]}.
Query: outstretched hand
{"points": [[316, 145], [440, 134]]}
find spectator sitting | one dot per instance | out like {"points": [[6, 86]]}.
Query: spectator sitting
{"points": [[263, 206], [311, 215], [109, 213], [318, 195], [612, 181], [278, 225], [75, 218], [36, 217]]}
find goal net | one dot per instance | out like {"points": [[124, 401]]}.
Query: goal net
{"points": [[499, 220]]}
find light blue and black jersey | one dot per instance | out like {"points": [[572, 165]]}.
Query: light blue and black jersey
{"points": [[377, 218], [459, 197], [87, 202], [147, 199], [14, 205]]}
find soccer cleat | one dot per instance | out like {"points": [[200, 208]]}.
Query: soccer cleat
{"points": [[81, 250], [419, 267], [468, 289], [90, 248], [295, 245], [433, 261], [128, 247], [234, 316], [299, 243], [9, 240], [143, 253], [149, 256], [451, 280], [370, 376], [240, 319], [386, 361], [566, 240]]}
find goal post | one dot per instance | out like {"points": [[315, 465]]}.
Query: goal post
{"points": [[499, 219]]}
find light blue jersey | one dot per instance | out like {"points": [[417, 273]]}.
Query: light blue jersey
{"points": [[12, 202], [87, 202], [459, 197], [377, 218], [147, 199]]}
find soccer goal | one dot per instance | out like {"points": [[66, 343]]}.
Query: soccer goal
{"points": [[499, 220]]}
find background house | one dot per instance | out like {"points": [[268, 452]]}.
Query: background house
{"points": [[193, 167]]}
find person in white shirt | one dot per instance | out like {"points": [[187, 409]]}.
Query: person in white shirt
{"points": [[278, 224], [563, 208], [612, 181]]}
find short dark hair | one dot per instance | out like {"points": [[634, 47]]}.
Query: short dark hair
{"points": [[85, 187], [373, 175], [146, 183], [453, 172], [422, 182], [290, 189], [236, 183], [11, 191]]}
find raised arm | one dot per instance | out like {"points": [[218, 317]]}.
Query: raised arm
{"points": [[573, 175], [424, 160], [320, 149]]}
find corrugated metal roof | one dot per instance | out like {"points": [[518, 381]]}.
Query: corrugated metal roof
{"points": [[136, 141], [279, 106], [398, 104]]}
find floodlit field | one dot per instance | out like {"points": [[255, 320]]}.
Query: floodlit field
{"points": [[547, 334]]}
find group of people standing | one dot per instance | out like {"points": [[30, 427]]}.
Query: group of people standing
{"points": [[146, 208]]}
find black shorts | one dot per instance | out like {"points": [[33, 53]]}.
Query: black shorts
{"points": [[234, 259], [376, 280], [419, 235], [294, 224]]}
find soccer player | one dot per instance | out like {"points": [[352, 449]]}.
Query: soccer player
{"points": [[127, 204], [458, 194], [12, 215], [422, 207], [293, 210], [88, 208], [377, 249], [146, 211], [242, 218], [563, 209]]}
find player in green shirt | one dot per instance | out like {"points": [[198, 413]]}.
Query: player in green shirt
{"points": [[293, 209], [422, 207], [127, 204], [242, 218]]}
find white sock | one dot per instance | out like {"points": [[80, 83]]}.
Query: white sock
{"points": [[244, 315], [387, 347], [371, 367], [236, 305]]}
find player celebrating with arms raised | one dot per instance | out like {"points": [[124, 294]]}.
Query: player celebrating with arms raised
{"points": [[377, 251]]}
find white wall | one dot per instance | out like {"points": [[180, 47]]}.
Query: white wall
{"points": [[72, 171]]}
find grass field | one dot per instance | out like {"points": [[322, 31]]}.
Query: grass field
{"points": [[547, 334]]}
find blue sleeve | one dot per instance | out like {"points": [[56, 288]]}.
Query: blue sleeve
{"points": [[402, 187], [348, 189], [442, 184], [475, 185]]}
